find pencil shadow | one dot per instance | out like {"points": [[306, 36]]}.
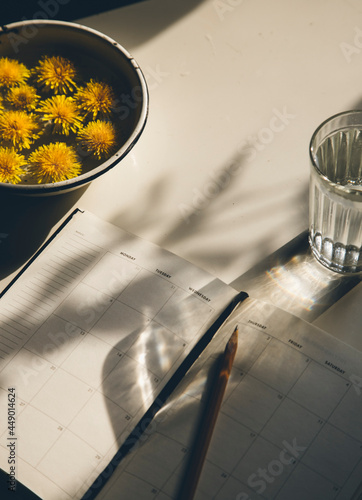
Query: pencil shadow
{"points": [[196, 452]]}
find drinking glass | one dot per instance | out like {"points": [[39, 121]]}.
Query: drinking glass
{"points": [[335, 196]]}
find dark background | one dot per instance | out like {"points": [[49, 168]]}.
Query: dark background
{"points": [[65, 10]]}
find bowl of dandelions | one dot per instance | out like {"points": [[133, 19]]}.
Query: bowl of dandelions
{"points": [[73, 102]]}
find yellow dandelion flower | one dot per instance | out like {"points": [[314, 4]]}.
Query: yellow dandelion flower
{"points": [[62, 112], [23, 97], [98, 137], [57, 74], [96, 98], [18, 128], [12, 72], [11, 165], [54, 162]]}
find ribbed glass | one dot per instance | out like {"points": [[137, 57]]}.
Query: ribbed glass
{"points": [[335, 233]]}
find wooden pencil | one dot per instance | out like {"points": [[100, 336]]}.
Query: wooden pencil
{"points": [[202, 441]]}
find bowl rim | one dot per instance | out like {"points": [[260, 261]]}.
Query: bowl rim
{"points": [[137, 130]]}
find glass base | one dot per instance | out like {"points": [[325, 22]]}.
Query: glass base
{"points": [[336, 256]]}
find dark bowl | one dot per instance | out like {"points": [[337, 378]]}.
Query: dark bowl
{"points": [[99, 57]]}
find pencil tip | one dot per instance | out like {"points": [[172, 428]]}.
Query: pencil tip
{"points": [[233, 340]]}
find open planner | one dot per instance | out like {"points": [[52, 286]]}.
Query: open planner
{"points": [[106, 345]]}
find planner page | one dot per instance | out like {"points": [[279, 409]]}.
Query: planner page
{"points": [[289, 426], [89, 334]]}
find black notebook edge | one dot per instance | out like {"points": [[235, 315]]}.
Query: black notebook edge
{"points": [[41, 249]]}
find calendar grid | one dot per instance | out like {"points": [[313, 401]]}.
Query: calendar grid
{"points": [[102, 339], [271, 451]]}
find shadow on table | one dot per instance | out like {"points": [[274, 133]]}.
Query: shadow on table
{"points": [[223, 212], [64, 10], [144, 21], [25, 222]]}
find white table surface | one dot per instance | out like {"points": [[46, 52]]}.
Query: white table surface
{"points": [[237, 87], [219, 72]]}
